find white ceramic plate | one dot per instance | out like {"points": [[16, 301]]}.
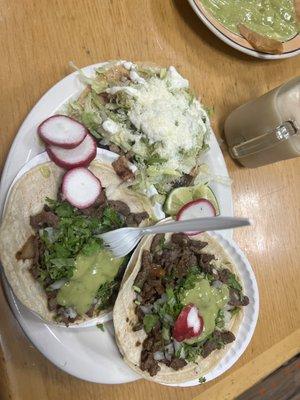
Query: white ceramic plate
{"points": [[86, 353], [291, 48]]}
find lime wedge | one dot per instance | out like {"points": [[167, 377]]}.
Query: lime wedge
{"points": [[180, 196]]}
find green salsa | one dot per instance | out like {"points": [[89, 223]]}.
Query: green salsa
{"points": [[209, 300], [90, 272], [273, 18]]}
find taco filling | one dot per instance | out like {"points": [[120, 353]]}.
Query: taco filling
{"points": [[80, 277], [185, 300]]}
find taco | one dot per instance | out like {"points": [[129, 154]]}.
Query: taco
{"points": [[178, 308], [51, 255]]}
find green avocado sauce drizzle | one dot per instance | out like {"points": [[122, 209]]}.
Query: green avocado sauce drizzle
{"points": [[90, 272], [209, 300]]}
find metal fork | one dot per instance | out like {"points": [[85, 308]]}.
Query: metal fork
{"points": [[121, 241]]}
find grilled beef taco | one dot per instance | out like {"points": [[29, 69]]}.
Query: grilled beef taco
{"points": [[50, 253], [178, 308]]}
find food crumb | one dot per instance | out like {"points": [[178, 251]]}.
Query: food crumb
{"points": [[138, 343], [127, 319]]}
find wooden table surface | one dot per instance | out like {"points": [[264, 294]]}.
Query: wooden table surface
{"points": [[38, 39]]}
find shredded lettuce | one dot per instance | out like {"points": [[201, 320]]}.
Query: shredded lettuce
{"points": [[155, 167]]}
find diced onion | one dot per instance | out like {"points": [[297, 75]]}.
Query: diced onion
{"points": [[57, 284], [158, 356], [70, 312], [217, 284], [146, 309]]}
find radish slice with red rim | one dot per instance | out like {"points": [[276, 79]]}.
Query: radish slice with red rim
{"points": [[80, 187], [62, 131], [196, 209], [189, 324], [80, 156]]}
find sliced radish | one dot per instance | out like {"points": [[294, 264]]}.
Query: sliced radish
{"points": [[80, 156], [80, 187], [62, 131], [196, 209], [189, 324]]}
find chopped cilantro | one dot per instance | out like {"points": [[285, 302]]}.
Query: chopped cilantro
{"points": [[170, 308], [105, 292], [101, 327], [220, 319], [75, 233], [233, 283], [111, 219], [149, 322], [202, 379], [235, 310]]}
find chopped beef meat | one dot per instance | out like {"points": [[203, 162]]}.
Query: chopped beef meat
{"points": [[138, 343], [137, 327], [157, 272], [96, 209], [139, 313], [116, 149], [184, 180], [148, 363], [51, 297], [218, 340], [145, 269], [139, 217], [130, 220], [196, 246], [90, 311], [102, 198], [157, 285], [43, 219], [122, 169], [224, 275], [209, 347], [134, 219], [227, 337], [148, 293], [244, 300], [168, 258], [157, 241], [52, 304], [235, 298], [180, 239], [204, 262], [120, 207], [177, 363], [187, 260], [28, 249]]}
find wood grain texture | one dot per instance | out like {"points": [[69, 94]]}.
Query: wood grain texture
{"points": [[37, 40]]}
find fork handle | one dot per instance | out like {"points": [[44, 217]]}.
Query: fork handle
{"points": [[198, 224]]}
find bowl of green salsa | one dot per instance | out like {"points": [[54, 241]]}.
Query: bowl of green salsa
{"points": [[262, 28]]}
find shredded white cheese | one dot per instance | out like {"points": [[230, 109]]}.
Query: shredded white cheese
{"points": [[176, 80], [166, 117], [110, 126], [127, 89], [134, 76]]}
